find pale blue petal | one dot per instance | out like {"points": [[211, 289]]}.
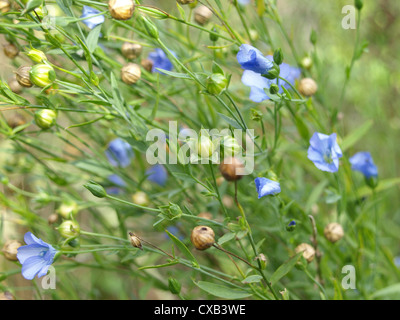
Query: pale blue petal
{"points": [[32, 267]]}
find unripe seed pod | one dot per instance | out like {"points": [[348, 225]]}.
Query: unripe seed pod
{"points": [[333, 232], [45, 118], [231, 168], [140, 198], [184, 1], [36, 55], [135, 241], [147, 64], [131, 50], [202, 15], [69, 229], [42, 75], [308, 251], [131, 73], [10, 249], [4, 6], [202, 237], [174, 286], [216, 83], [10, 50], [121, 9], [308, 87], [306, 63], [23, 77], [16, 120], [68, 209]]}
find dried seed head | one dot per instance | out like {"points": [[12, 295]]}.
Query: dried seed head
{"points": [[10, 249], [147, 64], [202, 237], [10, 50], [121, 9], [131, 50], [4, 6], [23, 77], [131, 73], [52, 219], [308, 251], [202, 15], [333, 232], [135, 241], [16, 120], [308, 87], [231, 168]]}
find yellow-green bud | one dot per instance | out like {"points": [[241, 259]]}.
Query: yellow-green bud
{"points": [[68, 209], [140, 198], [174, 286], [306, 63], [23, 76], [4, 6], [230, 146], [203, 146], [36, 55], [216, 83], [45, 118], [69, 229], [42, 75], [121, 9], [151, 28], [96, 189]]}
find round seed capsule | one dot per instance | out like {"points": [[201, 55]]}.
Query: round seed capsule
{"points": [[202, 237], [333, 232], [308, 87], [147, 64], [131, 73], [10, 249], [230, 169], [308, 251], [23, 76], [202, 15], [131, 50], [10, 50], [121, 9]]}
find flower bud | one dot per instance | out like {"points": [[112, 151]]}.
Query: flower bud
{"points": [[184, 1], [131, 50], [147, 64], [42, 75], [308, 251], [16, 120], [14, 85], [4, 6], [230, 146], [10, 50], [23, 76], [36, 55], [202, 146], [121, 9], [202, 237], [151, 28], [306, 63], [140, 198], [359, 4], [216, 83], [273, 73], [135, 241], [333, 232], [174, 286], [278, 56], [69, 229], [273, 89], [202, 15], [291, 226], [131, 73], [68, 209], [96, 189], [231, 169], [45, 118], [213, 36], [308, 87], [10, 249]]}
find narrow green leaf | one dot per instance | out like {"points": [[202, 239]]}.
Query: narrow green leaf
{"points": [[285, 268], [252, 279], [172, 263], [356, 135], [93, 38], [182, 248], [221, 291], [231, 121]]}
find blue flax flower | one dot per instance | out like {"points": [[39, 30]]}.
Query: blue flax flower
{"points": [[266, 187], [91, 22], [118, 184], [157, 174], [160, 60], [363, 162], [324, 152], [258, 83], [119, 153], [36, 257], [252, 59]]}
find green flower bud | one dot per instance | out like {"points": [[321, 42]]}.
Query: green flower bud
{"points": [[359, 4], [203, 146], [230, 146], [45, 118], [36, 55], [68, 209], [306, 63], [278, 56], [96, 189], [213, 36], [371, 182], [174, 286], [273, 89], [313, 37], [216, 83], [291, 226], [42, 75], [273, 73], [256, 115], [69, 229], [151, 29]]}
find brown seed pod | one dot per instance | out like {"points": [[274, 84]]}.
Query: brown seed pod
{"points": [[135, 241], [308, 87], [333, 232], [202, 237], [23, 77], [230, 169], [308, 251], [131, 73], [121, 9], [10, 249], [14, 85], [4, 6], [52, 219], [131, 50], [147, 64], [202, 15], [16, 120], [10, 50]]}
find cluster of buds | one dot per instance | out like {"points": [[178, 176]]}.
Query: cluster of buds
{"points": [[121, 9], [131, 73]]}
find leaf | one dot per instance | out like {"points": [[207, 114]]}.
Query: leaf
{"points": [[172, 263], [182, 248], [392, 291], [252, 279], [356, 135], [225, 238], [181, 11], [221, 291], [382, 186], [231, 121], [285, 268], [93, 38], [175, 74], [216, 68]]}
